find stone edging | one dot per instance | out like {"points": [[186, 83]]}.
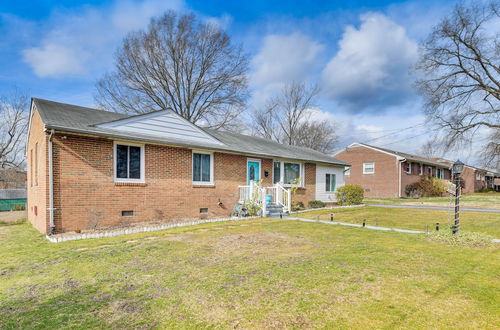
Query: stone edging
{"points": [[139, 229]]}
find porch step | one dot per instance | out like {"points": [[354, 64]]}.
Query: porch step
{"points": [[274, 210]]}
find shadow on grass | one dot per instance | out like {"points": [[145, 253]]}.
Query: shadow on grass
{"points": [[72, 307]]}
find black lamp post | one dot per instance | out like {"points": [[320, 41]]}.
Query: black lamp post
{"points": [[458, 167]]}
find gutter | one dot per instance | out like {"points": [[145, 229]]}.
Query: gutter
{"points": [[83, 132], [51, 186]]}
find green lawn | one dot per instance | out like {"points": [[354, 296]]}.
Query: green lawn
{"points": [[248, 274], [489, 200], [411, 218]]}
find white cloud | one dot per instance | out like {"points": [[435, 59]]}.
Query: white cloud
{"points": [[76, 42], [284, 58], [372, 65], [223, 21], [55, 59]]}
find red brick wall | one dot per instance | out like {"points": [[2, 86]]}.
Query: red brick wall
{"points": [[87, 197], [415, 176], [37, 188], [385, 181]]}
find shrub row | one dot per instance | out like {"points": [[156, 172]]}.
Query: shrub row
{"points": [[426, 187]]}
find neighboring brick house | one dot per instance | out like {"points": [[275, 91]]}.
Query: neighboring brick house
{"points": [[12, 178], [474, 179], [90, 169], [386, 173]]}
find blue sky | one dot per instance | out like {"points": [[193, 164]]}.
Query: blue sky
{"points": [[360, 53]]}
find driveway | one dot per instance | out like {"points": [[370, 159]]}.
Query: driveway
{"points": [[465, 209]]}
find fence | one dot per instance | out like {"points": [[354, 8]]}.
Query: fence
{"points": [[12, 204]]}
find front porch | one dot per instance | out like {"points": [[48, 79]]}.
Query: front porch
{"points": [[270, 201]]}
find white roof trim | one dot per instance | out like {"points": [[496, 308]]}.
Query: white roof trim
{"points": [[357, 144], [31, 113]]}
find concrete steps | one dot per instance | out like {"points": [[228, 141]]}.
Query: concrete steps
{"points": [[274, 211]]}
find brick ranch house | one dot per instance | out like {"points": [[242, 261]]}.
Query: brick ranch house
{"points": [[474, 179], [386, 173], [92, 169]]}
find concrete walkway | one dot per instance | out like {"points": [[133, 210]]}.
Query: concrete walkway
{"points": [[355, 225], [428, 207], [494, 240]]}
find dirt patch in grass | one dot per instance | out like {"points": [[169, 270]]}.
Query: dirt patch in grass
{"points": [[12, 217], [177, 238], [256, 242], [120, 310]]}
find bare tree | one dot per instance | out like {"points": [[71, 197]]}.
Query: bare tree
{"points": [[461, 76], [318, 135], [179, 64], [288, 118], [13, 127], [431, 149]]}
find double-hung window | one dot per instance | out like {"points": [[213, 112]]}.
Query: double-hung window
{"points": [[288, 173], [291, 173], [369, 168], [408, 168], [129, 163], [330, 182], [203, 168]]}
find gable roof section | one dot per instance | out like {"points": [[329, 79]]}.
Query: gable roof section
{"points": [[89, 121], [398, 154], [163, 124]]}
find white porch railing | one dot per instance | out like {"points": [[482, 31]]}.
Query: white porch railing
{"points": [[283, 197], [255, 194]]}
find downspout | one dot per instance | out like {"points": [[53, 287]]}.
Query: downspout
{"points": [[399, 162], [51, 186]]}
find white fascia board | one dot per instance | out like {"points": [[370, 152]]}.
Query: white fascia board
{"points": [[357, 144]]}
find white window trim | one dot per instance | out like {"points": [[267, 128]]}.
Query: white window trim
{"points": [[143, 167], [408, 171], [256, 160], [282, 172], [364, 168], [203, 183], [421, 169]]}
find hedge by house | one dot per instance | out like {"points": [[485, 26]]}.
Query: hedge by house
{"points": [[350, 194], [426, 187], [316, 204]]}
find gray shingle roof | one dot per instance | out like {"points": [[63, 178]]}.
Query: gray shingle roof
{"points": [[13, 194], [76, 119], [410, 157]]}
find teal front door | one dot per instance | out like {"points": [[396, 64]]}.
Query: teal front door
{"points": [[253, 171]]}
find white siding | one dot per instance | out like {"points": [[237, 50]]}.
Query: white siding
{"points": [[165, 124], [321, 171]]}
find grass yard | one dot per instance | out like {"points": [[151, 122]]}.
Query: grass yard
{"points": [[256, 273], [489, 200], [414, 219]]}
